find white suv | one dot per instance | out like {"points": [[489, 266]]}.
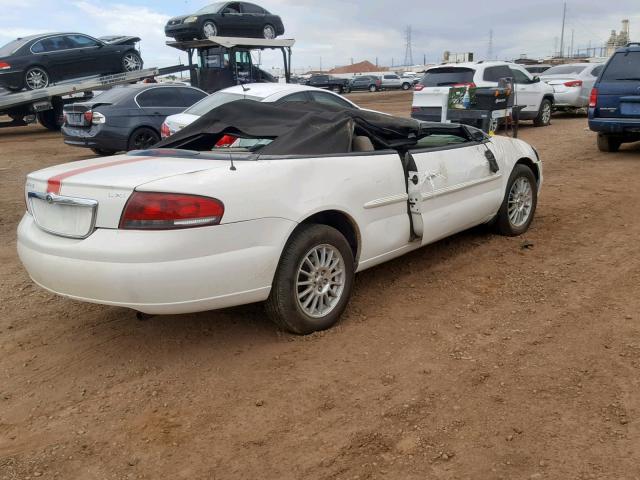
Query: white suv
{"points": [[535, 96]]}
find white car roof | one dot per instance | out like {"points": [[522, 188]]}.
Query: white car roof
{"points": [[476, 65], [264, 90]]}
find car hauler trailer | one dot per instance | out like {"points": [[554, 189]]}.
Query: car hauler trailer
{"points": [[46, 104], [222, 62]]}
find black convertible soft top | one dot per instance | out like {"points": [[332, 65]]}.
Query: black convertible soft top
{"points": [[300, 128]]}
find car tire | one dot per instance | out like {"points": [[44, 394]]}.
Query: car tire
{"points": [[269, 32], [103, 152], [519, 204], [131, 62], [293, 304], [373, 88], [209, 29], [544, 114], [607, 143], [50, 119], [406, 86], [36, 78], [142, 139]]}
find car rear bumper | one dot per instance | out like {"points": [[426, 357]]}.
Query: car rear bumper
{"points": [[615, 126], [570, 98], [96, 137], [13, 79], [158, 272]]}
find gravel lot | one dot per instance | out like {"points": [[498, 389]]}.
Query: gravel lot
{"points": [[480, 357]]}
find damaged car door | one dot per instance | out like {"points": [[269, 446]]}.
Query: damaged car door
{"points": [[453, 185]]}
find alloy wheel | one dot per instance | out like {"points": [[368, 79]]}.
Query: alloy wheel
{"points": [[520, 202], [269, 32], [210, 30], [131, 62], [320, 280], [36, 78]]}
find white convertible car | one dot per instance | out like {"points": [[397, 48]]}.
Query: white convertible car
{"points": [[323, 193]]}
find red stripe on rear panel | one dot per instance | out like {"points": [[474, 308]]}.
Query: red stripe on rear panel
{"points": [[55, 183]]}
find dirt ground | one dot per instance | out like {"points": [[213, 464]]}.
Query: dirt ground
{"points": [[480, 357]]}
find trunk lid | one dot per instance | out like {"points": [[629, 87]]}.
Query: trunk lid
{"points": [[72, 198]]}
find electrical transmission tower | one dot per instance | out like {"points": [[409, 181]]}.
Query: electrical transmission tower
{"points": [[490, 47], [408, 52]]}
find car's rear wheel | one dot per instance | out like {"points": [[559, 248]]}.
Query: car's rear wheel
{"points": [[142, 139], [519, 204], [269, 32], [36, 78], [103, 152], [373, 88], [313, 282], [131, 62], [209, 29], [51, 119], [406, 86], [607, 143], [544, 114]]}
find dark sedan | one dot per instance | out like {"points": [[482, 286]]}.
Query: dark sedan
{"points": [[365, 82], [233, 19], [39, 60], [125, 118]]}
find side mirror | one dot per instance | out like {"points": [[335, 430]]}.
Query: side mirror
{"points": [[536, 79]]}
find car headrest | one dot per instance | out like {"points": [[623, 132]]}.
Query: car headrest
{"points": [[362, 144]]}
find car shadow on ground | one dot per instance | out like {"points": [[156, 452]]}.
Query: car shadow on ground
{"points": [[249, 324]]}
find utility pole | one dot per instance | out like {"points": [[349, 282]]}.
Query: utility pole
{"points": [[320, 63], [424, 59], [572, 33], [564, 18]]}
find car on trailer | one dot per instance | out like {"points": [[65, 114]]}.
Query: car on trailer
{"points": [[188, 226], [38, 61], [233, 19]]}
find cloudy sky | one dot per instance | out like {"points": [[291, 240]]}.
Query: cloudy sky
{"points": [[335, 31]]}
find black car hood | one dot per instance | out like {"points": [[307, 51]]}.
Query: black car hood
{"points": [[120, 40]]}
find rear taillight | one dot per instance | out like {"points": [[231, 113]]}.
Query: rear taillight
{"points": [[418, 87], [573, 83], [226, 141], [593, 98], [64, 119], [4, 66], [166, 211], [98, 118], [88, 116], [164, 130], [415, 109]]}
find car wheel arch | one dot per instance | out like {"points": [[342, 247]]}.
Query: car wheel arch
{"points": [[533, 166], [341, 221], [139, 127]]}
